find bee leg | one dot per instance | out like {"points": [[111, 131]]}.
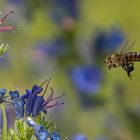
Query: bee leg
{"points": [[129, 69], [129, 75]]}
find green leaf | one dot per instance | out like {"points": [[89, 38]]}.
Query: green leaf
{"points": [[22, 131], [13, 135], [3, 49], [42, 120]]}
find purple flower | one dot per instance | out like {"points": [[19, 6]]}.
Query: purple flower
{"points": [[64, 13], [64, 8], [14, 94], [40, 132], [79, 137], [86, 79], [16, 2], [2, 93], [10, 117], [3, 98], [31, 98], [18, 104], [41, 104], [51, 48], [38, 105], [33, 103], [55, 136]]}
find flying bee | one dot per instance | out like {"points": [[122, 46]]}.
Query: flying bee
{"points": [[123, 59]]}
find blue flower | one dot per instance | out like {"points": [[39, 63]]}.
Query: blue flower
{"points": [[14, 94], [79, 137], [18, 104], [33, 103], [55, 47], [38, 102], [55, 136], [9, 111], [31, 98], [40, 132], [86, 79], [3, 98], [2, 93], [107, 42], [43, 105], [64, 8], [10, 117], [16, 2]]}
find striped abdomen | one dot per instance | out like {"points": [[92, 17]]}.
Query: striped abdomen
{"points": [[132, 56]]}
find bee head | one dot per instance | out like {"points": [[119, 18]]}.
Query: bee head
{"points": [[108, 61]]}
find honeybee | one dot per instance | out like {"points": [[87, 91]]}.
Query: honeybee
{"points": [[123, 59]]}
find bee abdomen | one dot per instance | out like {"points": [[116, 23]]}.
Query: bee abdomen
{"points": [[132, 56]]}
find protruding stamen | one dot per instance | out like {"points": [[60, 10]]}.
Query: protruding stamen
{"points": [[2, 20], [49, 98], [50, 106], [6, 28], [43, 83], [58, 97], [46, 87]]}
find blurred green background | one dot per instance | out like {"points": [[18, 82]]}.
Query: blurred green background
{"points": [[112, 111]]}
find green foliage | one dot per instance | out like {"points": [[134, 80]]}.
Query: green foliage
{"points": [[3, 49], [47, 124], [22, 131]]}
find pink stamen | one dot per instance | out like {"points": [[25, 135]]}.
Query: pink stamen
{"points": [[49, 98], [50, 106], [46, 87], [58, 96], [6, 28], [3, 19], [43, 83]]}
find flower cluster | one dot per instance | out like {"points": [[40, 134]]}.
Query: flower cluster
{"points": [[33, 104], [41, 133]]}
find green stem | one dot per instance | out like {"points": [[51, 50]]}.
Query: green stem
{"points": [[4, 129]]}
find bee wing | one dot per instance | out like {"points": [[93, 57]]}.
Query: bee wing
{"points": [[127, 46]]}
